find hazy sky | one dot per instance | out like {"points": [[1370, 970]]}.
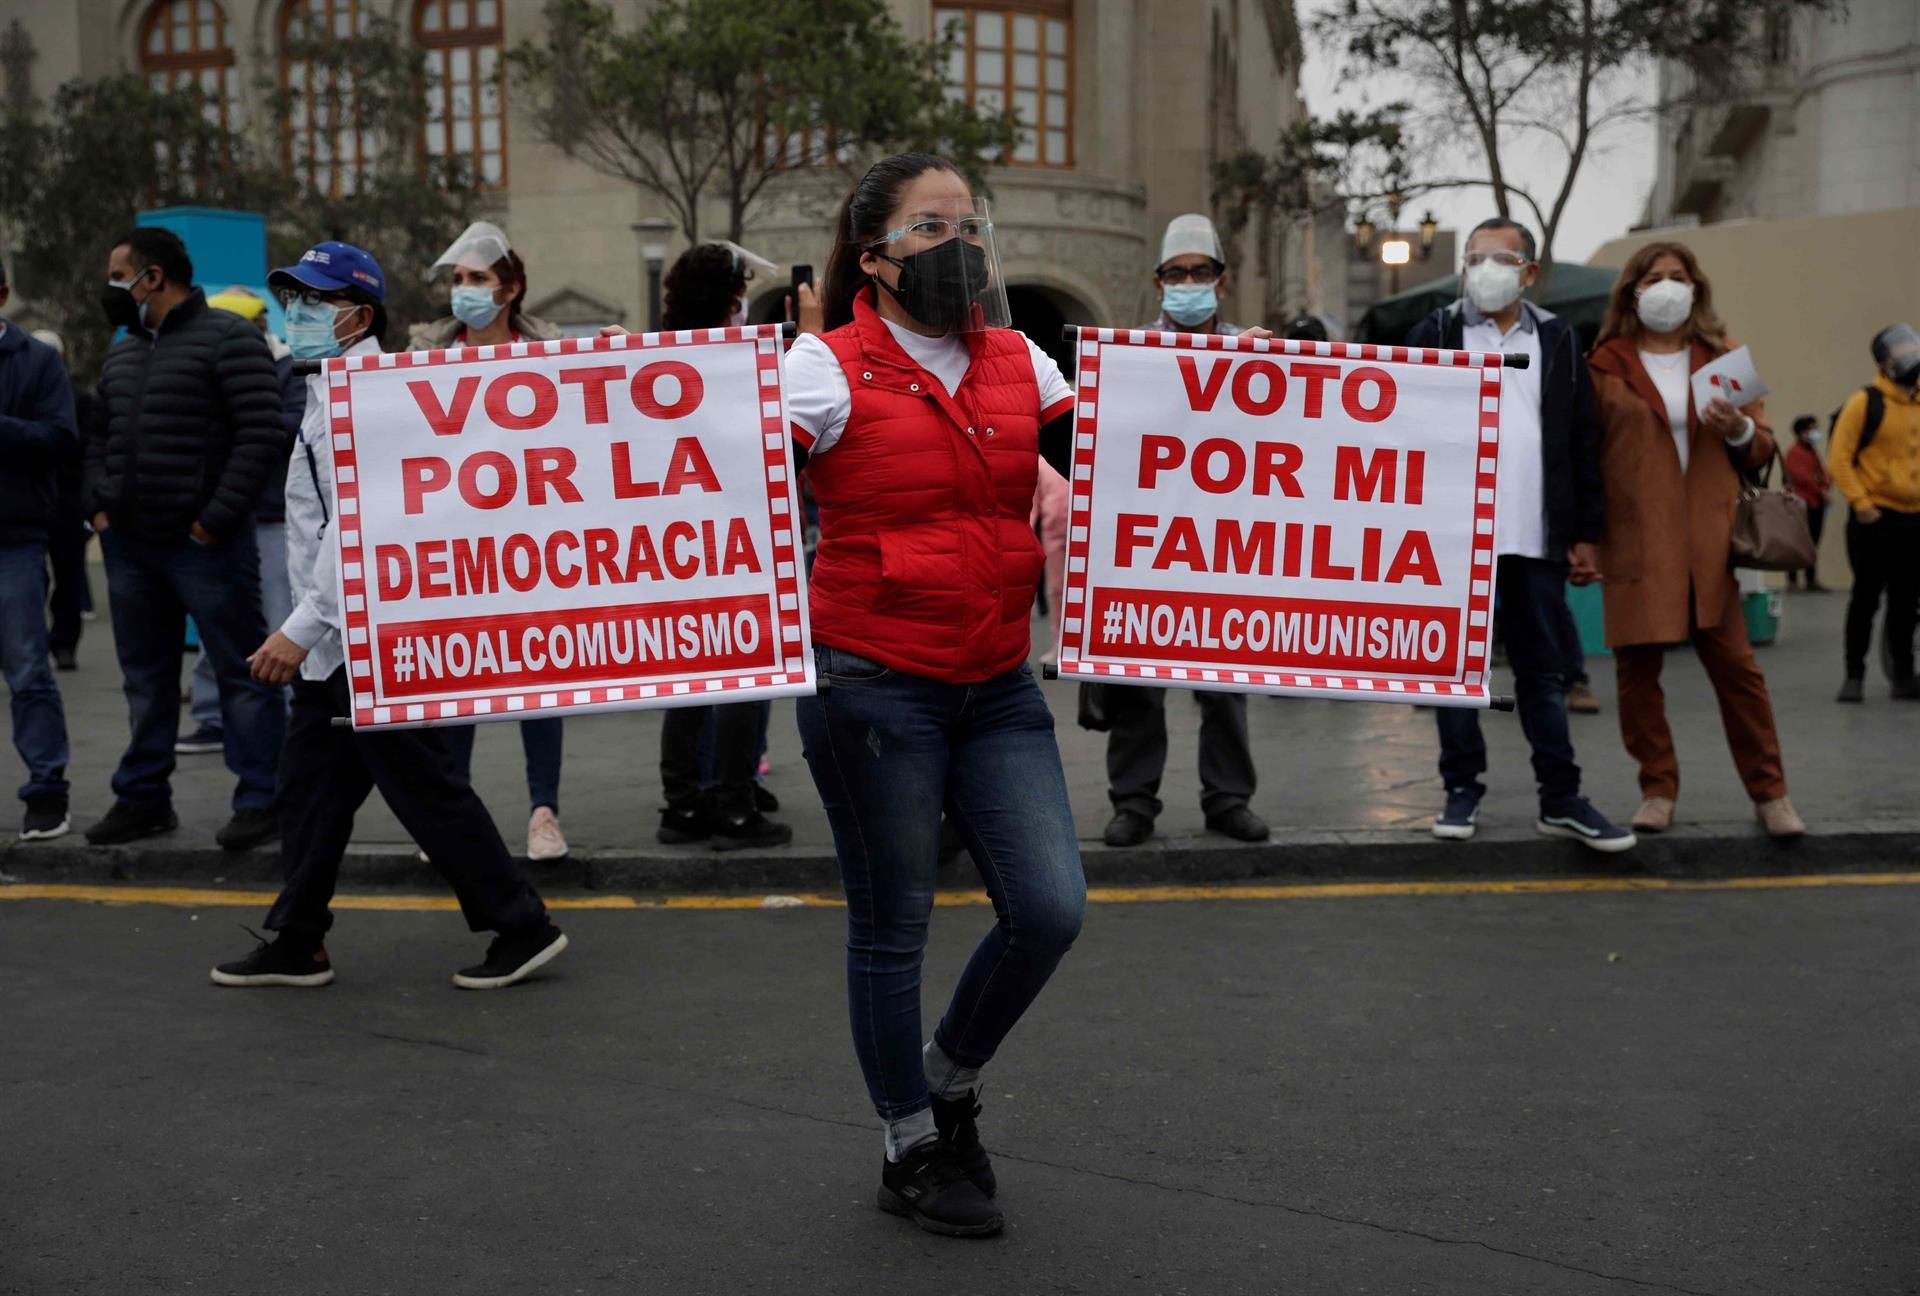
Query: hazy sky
{"points": [[1610, 194]]}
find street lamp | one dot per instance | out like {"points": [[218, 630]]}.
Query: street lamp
{"points": [[1363, 235], [655, 234], [1429, 230]]}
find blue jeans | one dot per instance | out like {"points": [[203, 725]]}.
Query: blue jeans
{"points": [[153, 586], [889, 753], [1531, 600], [276, 605], [540, 742], [39, 721]]}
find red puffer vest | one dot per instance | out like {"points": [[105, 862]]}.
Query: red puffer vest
{"points": [[927, 560]]}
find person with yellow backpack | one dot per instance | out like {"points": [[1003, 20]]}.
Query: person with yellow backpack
{"points": [[1875, 461]]}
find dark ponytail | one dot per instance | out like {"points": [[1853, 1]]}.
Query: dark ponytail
{"points": [[861, 223]]}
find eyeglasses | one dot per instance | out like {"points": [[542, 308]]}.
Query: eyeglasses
{"points": [[313, 297], [936, 229], [1196, 275], [1512, 259]]}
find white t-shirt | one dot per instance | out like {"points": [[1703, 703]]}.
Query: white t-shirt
{"points": [[819, 400], [1520, 513], [1672, 377]]}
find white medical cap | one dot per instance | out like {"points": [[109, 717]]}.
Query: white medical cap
{"points": [[1188, 234]]}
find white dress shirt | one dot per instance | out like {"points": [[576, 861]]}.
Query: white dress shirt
{"points": [[1520, 490]]}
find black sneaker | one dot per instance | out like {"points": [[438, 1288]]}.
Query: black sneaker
{"points": [[1852, 689], [286, 962], [928, 1186], [954, 1118], [1579, 820], [1127, 828], [1239, 823], [201, 741], [1456, 821], [46, 817], [741, 831], [513, 956], [682, 824], [132, 820], [249, 828], [1905, 690], [764, 801], [63, 659]]}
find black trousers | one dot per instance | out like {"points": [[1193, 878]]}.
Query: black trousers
{"points": [[325, 776], [1137, 750], [72, 592], [736, 754], [1886, 560]]}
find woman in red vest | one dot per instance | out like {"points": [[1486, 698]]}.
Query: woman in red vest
{"points": [[922, 421]]}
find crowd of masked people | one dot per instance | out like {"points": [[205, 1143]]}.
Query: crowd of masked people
{"points": [[203, 465]]}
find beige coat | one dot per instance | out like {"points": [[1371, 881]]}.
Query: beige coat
{"points": [[446, 330], [1667, 556]]}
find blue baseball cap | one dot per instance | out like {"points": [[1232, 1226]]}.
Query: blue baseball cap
{"points": [[333, 267]]}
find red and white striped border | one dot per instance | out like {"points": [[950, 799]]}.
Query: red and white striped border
{"points": [[767, 341], [1470, 683]]}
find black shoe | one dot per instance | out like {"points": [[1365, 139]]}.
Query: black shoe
{"points": [[63, 659], [286, 962], [201, 741], [132, 820], [685, 823], [764, 801], [249, 828], [743, 830], [1458, 817], [1127, 828], [512, 957], [928, 1186], [953, 1117], [46, 817], [1239, 823], [1579, 820], [1853, 690], [1905, 690]]}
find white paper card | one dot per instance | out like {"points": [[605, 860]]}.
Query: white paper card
{"points": [[1732, 376]]}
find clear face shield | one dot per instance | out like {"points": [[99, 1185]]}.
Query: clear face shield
{"points": [[1898, 350], [478, 247], [949, 271]]}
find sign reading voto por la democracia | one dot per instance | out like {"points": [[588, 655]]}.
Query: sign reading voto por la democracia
{"points": [[565, 526], [1299, 518]]}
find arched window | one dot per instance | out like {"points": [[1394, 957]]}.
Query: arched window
{"points": [[321, 138], [185, 43], [1016, 57], [469, 112]]}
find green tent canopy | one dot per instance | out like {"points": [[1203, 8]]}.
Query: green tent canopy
{"points": [[1577, 293]]}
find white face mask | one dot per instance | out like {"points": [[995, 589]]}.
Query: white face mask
{"points": [[1492, 287], [739, 317], [1665, 306]]}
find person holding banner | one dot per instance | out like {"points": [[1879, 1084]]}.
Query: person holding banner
{"points": [[487, 293], [1547, 521], [706, 288], [1189, 277], [1672, 472], [335, 306], [921, 415]]}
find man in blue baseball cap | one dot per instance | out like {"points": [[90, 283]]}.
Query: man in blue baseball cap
{"points": [[335, 302]]}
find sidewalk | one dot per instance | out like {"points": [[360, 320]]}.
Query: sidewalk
{"points": [[1349, 788]]}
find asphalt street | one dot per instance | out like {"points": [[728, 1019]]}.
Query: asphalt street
{"points": [[1620, 1091]]}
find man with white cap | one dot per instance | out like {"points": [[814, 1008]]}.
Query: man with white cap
{"points": [[1189, 277]]}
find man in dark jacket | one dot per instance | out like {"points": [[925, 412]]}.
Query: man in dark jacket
{"points": [[36, 432], [186, 428], [1547, 520]]}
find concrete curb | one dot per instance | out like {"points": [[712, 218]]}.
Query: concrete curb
{"points": [[1695, 850]]}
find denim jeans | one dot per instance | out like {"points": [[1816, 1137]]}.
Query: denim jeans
{"points": [[276, 604], [1531, 596], [541, 742], [39, 721], [153, 586], [890, 753]]}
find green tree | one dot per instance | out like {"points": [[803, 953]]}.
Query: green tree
{"points": [[715, 98], [1317, 165], [1503, 73]]}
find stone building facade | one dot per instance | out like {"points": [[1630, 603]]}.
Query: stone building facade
{"points": [[1133, 100]]}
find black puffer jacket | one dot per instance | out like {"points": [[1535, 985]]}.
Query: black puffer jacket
{"points": [[187, 426]]}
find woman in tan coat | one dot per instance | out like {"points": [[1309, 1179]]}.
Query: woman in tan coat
{"points": [[1671, 474]]}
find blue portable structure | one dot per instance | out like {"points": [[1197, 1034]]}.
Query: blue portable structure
{"points": [[227, 247]]}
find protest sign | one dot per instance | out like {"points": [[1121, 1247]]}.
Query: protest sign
{"points": [[539, 528], [1299, 518]]}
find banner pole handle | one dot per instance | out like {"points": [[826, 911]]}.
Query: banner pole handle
{"points": [[1519, 360], [1500, 702], [1050, 670]]}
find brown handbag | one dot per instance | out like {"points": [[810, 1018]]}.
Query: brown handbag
{"points": [[1770, 531]]}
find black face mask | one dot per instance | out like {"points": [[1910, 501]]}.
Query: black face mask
{"points": [[939, 286], [117, 302]]}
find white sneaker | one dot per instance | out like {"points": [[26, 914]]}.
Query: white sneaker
{"points": [[544, 840]]}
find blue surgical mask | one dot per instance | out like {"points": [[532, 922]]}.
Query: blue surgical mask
{"points": [[1189, 303], [475, 307], [311, 334]]}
